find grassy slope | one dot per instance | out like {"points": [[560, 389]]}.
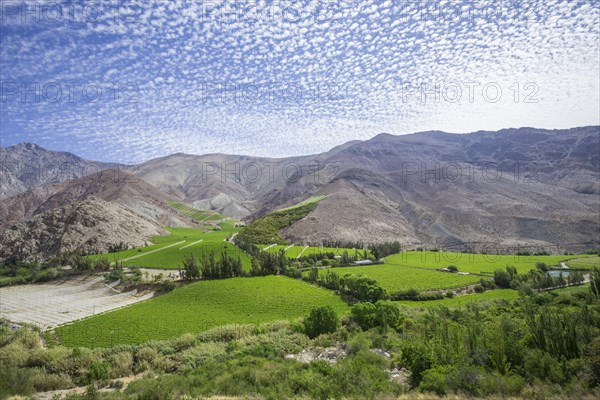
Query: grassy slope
{"points": [[200, 306], [196, 214], [312, 200], [474, 263], [267, 229]]}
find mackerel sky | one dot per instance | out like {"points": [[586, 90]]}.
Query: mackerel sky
{"points": [[128, 81]]}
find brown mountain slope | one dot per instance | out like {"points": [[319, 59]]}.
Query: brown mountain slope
{"points": [[92, 225], [112, 185]]}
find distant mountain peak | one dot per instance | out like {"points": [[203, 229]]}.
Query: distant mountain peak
{"points": [[26, 146]]}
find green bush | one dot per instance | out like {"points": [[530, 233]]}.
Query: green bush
{"points": [[121, 364], [435, 381], [381, 315], [98, 371], [539, 364], [321, 320]]}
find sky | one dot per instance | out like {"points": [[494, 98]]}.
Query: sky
{"points": [[127, 81]]}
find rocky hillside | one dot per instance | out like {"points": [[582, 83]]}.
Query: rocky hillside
{"points": [[92, 225], [111, 185], [27, 166]]}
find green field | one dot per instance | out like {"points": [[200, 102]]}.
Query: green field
{"points": [[473, 263], [312, 200], [200, 306], [584, 262], [169, 251], [294, 251], [396, 278], [196, 214], [490, 295], [267, 229]]}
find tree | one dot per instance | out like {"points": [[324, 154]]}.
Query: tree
{"points": [[191, 269], [313, 275], [363, 288], [541, 266], [502, 278], [595, 282], [382, 315], [321, 320]]}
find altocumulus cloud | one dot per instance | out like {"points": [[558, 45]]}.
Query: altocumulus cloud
{"points": [[130, 80]]}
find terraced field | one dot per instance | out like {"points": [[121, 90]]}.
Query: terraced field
{"points": [[196, 214], [395, 278], [169, 251], [200, 306], [473, 263]]}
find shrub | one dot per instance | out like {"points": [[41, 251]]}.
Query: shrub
{"points": [[539, 364], [321, 320], [453, 268], [502, 278], [541, 266], [98, 371], [120, 364], [479, 289], [362, 288], [417, 358], [434, 381], [505, 385], [146, 354], [379, 315]]}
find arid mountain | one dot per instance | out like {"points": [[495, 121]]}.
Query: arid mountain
{"points": [[515, 186], [27, 166], [504, 188], [92, 225], [232, 185], [112, 185]]}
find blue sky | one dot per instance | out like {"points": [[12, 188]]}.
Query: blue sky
{"points": [[128, 80]]}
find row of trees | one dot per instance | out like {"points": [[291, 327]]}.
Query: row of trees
{"points": [[212, 266], [382, 315], [353, 287], [536, 279]]}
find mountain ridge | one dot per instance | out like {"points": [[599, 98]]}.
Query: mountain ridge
{"points": [[510, 186]]}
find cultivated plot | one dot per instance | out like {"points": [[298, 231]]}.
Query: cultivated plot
{"points": [[50, 304], [472, 263], [170, 250], [200, 306], [296, 251], [491, 295], [396, 278], [584, 262]]}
